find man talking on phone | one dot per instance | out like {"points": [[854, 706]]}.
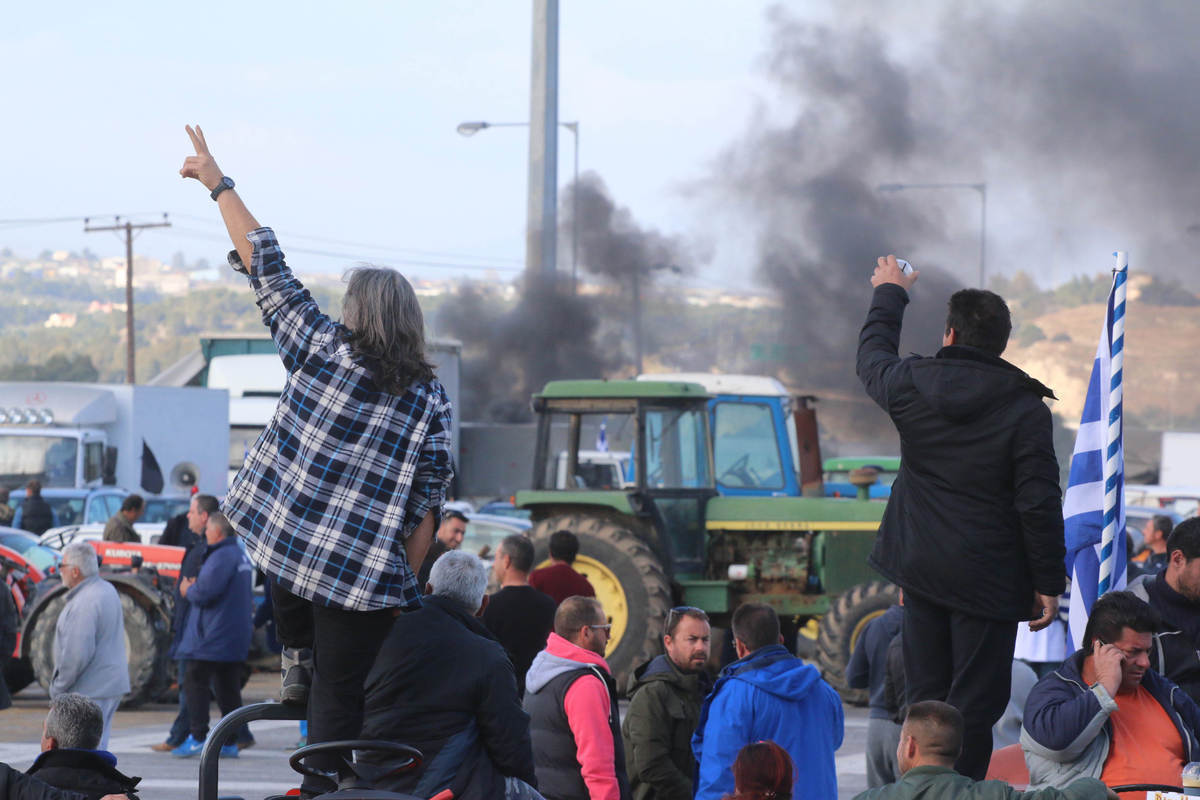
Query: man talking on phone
{"points": [[973, 530], [1104, 713]]}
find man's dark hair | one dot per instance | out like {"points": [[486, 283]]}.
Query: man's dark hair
{"points": [[207, 503], [574, 613], [520, 550], [1163, 524], [132, 502], [453, 514], [676, 615], [34, 488], [217, 520], [937, 727], [980, 318], [756, 625], [564, 546], [1185, 538], [1113, 613]]}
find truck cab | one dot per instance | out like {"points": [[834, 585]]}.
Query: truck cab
{"points": [[58, 458]]}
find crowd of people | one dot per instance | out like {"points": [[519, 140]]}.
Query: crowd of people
{"points": [[388, 633]]}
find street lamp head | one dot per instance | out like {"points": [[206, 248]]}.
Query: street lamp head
{"points": [[471, 128]]}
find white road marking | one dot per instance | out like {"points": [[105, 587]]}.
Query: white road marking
{"points": [[22, 755]]}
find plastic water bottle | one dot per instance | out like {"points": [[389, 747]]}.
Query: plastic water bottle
{"points": [[1190, 779]]}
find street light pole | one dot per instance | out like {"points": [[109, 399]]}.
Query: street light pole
{"points": [[979, 187], [472, 128]]}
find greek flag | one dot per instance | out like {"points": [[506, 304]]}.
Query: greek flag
{"points": [[602, 436], [1094, 506]]}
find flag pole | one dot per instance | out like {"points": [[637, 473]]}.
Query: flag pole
{"points": [[1113, 452]]}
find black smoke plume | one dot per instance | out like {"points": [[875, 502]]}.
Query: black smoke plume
{"points": [[553, 333], [1081, 117]]}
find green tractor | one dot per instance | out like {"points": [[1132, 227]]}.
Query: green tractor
{"points": [[666, 535]]}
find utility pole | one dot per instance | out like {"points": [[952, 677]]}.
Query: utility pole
{"points": [[128, 228], [541, 237]]}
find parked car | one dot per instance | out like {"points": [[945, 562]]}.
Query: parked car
{"points": [[486, 531], [159, 510], [504, 508], [74, 506], [27, 545], [63, 535]]}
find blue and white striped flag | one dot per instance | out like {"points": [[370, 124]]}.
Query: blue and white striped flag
{"points": [[602, 436], [1094, 506]]}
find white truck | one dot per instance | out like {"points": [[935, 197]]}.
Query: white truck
{"points": [[147, 439], [248, 368]]}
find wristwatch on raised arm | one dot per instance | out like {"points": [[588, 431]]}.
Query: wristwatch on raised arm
{"points": [[226, 183]]}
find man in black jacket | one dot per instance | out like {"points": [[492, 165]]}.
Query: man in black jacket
{"points": [[973, 530], [70, 760], [442, 684], [1175, 594]]}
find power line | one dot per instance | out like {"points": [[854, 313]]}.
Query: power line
{"points": [[345, 256], [445, 259], [380, 247], [128, 228]]}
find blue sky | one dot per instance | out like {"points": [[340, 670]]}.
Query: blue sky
{"points": [[339, 125]]}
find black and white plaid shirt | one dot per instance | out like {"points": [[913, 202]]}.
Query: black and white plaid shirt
{"points": [[344, 472]]}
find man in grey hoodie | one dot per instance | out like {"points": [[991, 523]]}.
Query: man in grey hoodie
{"points": [[89, 636]]}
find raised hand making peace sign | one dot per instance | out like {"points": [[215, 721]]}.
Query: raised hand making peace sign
{"points": [[238, 219], [201, 166]]}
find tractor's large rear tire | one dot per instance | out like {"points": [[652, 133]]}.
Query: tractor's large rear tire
{"points": [[146, 644], [629, 581], [841, 628]]}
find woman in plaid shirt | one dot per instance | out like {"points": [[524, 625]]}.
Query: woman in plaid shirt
{"points": [[340, 496]]}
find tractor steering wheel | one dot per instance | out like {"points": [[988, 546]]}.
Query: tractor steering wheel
{"points": [[739, 469], [346, 747]]}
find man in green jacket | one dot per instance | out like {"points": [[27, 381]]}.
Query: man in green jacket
{"points": [[930, 742], [664, 707]]}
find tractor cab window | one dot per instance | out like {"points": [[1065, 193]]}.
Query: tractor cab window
{"points": [[676, 450], [746, 447], [601, 444]]}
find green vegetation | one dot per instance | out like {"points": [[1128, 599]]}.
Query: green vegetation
{"points": [[167, 327]]}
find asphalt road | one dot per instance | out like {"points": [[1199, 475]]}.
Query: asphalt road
{"points": [[263, 769]]}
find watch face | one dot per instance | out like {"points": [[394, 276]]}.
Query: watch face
{"points": [[227, 182]]}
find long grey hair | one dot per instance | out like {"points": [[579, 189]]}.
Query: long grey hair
{"points": [[387, 329]]}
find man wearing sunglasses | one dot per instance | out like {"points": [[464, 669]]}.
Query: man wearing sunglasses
{"points": [[571, 699]]}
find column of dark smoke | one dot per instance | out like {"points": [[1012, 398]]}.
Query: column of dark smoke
{"points": [[552, 333]]}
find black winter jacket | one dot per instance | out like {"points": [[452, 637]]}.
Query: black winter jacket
{"points": [[89, 772], [974, 521], [442, 684], [1176, 651], [16, 785]]}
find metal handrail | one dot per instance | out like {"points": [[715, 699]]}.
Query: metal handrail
{"points": [[227, 730]]}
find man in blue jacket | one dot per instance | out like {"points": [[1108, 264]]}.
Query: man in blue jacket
{"points": [[216, 639], [768, 694], [1105, 713]]}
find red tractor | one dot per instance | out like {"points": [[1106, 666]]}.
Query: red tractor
{"points": [[144, 577]]}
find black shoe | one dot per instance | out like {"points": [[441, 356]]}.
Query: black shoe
{"points": [[297, 676]]}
